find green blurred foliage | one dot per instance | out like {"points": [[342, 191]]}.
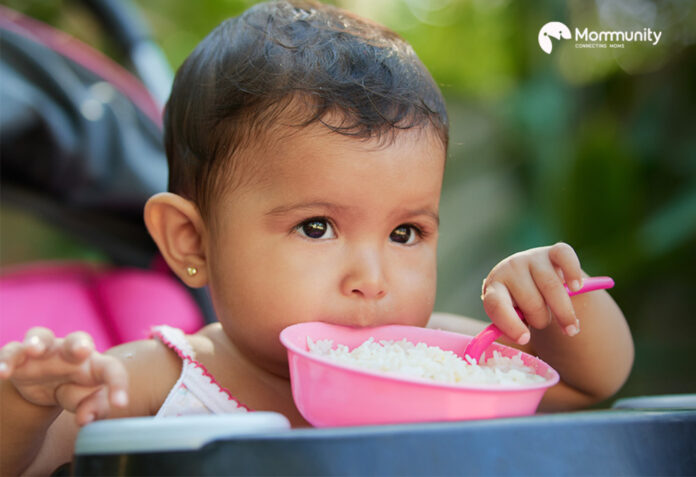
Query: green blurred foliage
{"points": [[595, 147]]}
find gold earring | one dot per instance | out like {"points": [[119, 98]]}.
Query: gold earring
{"points": [[191, 271]]}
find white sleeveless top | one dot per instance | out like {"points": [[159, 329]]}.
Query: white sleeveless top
{"points": [[196, 391]]}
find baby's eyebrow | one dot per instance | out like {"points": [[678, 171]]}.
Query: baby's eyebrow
{"points": [[335, 208], [427, 212], [284, 209]]}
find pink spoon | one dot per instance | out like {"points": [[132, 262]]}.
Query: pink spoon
{"points": [[483, 340]]}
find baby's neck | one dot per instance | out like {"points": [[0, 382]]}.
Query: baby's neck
{"points": [[250, 383]]}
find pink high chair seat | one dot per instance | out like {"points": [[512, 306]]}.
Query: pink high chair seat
{"points": [[113, 305]]}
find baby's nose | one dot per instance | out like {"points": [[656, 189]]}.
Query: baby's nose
{"points": [[365, 276]]}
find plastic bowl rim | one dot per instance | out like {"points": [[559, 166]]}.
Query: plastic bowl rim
{"points": [[550, 381]]}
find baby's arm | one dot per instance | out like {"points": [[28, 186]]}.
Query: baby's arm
{"points": [[44, 375], [585, 338], [49, 387], [593, 362]]}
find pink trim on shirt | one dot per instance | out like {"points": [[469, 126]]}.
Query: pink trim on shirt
{"points": [[158, 333]]}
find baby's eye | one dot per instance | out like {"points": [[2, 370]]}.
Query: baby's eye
{"points": [[404, 234], [317, 228]]}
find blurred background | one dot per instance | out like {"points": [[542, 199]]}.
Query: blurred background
{"points": [[592, 146]]}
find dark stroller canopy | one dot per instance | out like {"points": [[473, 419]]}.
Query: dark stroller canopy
{"points": [[80, 139], [80, 136]]}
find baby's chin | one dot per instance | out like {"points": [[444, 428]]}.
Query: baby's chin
{"points": [[275, 363]]}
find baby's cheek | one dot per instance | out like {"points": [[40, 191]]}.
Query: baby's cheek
{"points": [[429, 292], [416, 304]]}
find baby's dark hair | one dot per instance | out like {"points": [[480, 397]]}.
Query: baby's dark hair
{"points": [[255, 69]]}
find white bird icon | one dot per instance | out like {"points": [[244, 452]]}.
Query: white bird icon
{"points": [[556, 30]]}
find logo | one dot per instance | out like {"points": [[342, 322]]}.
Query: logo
{"points": [[555, 30], [586, 38]]}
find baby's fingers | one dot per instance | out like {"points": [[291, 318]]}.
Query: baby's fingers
{"points": [[12, 355], [564, 257], [499, 308], [556, 296], [76, 347], [39, 342], [93, 407], [530, 301], [110, 371]]}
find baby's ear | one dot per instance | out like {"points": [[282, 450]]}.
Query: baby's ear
{"points": [[177, 228]]}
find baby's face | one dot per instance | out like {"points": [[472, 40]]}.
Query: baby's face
{"points": [[328, 228]]}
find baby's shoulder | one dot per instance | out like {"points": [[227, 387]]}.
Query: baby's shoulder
{"points": [[216, 353], [207, 339], [152, 369], [144, 354]]}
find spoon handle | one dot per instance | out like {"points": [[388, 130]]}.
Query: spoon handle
{"points": [[592, 284], [483, 340]]}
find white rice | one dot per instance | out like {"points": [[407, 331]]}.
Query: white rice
{"points": [[428, 362]]}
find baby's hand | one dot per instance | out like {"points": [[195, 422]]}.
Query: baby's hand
{"points": [[65, 372], [533, 281]]}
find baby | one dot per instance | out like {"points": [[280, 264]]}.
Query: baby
{"points": [[306, 149]]}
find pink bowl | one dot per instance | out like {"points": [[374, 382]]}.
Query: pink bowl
{"points": [[331, 394]]}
